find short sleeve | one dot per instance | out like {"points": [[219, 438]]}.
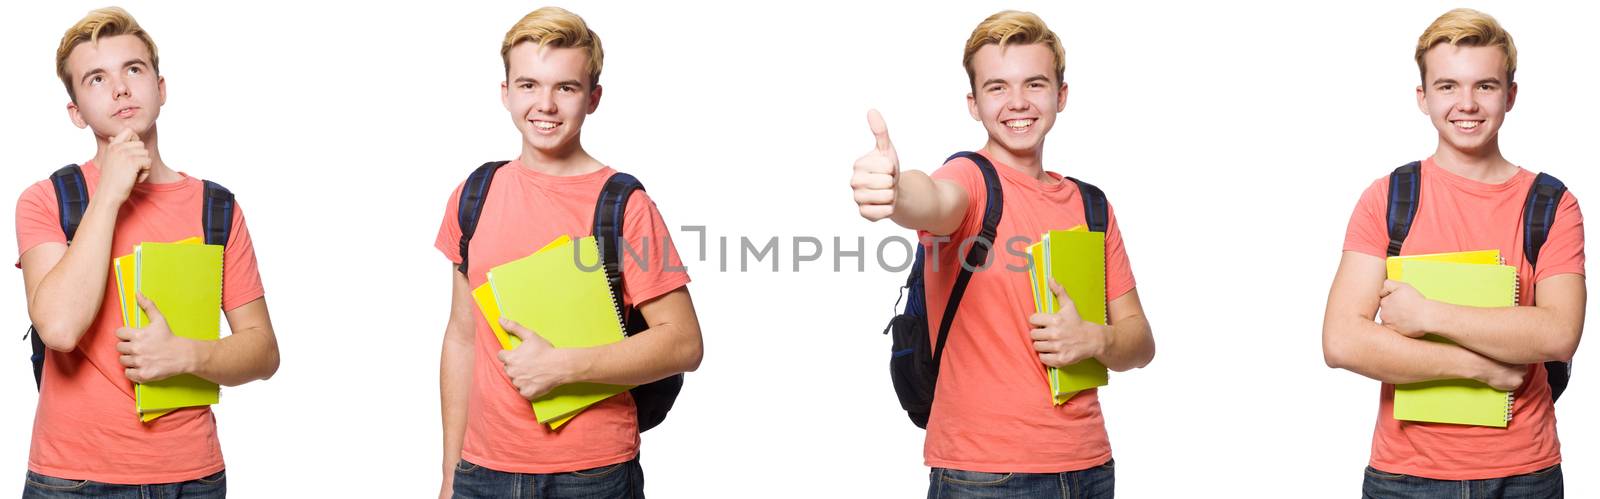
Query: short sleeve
{"points": [[38, 218], [1562, 252], [1119, 273], [1368, 231], [449, 239], [241, 280], [651, 266]]}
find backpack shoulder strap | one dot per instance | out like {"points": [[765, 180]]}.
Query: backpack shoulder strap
{"points": [[1095, 208], [1539, 214], [1405, 190], [979, 253], [470, 206], [72, 197], [218, 216], [609, 211]]}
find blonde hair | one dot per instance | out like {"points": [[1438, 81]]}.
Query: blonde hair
{"points": [[1467, 28], [1011, 27], [108, 21], [557, 28]]}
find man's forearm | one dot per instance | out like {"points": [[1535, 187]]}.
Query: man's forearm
{"points": [[650, 355], [67, 298], [1131, 344], [1514, 335], [921, 204], [455, 384], [1369, 349], [239, 358]]}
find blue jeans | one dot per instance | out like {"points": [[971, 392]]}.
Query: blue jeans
{"points": [[1094, 483], [48, 487], [621, 480], [1542, 484]]}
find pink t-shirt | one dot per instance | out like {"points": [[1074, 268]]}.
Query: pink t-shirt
{"points": [[1459, 214], [523, 211], [86, 426], [991, 409]]}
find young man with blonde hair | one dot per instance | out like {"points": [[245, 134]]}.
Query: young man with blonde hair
{"points": [[1466, 196], [992, 432], [493, 444], [87, 439]]}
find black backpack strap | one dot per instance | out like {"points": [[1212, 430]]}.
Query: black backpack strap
{"points": [[1095, 208], [470, 206], [979, 252], [217, 219], [72, 197], [609, 211], [1538, 215], [1405, 190]]}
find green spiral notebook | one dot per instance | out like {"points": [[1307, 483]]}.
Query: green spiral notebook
{"points": [[184, 280], [1075, 259], [1457, 401], [566, 305]]}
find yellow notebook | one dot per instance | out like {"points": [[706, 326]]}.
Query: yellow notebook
{"points": [[185, 282], [1075, 259], [1482, 257], [1457, 401], [569, 307]]}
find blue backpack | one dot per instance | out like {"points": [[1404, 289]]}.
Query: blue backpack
{"points": [[913, 363], [1538, 215], [72, 198], [652, 400]]}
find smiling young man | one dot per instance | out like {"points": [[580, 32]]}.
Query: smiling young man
{"points": [[493, 444], [992, 432], [87, 439], [1469, 198]]}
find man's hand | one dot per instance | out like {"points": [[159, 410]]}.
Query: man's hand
{"points": [[1403, 309], [126, 162], [1502, 376], [1063, 338], [876, 174], [535, 367], [153, 353]]}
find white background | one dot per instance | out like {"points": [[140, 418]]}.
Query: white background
{"points": [[1233, 140]]}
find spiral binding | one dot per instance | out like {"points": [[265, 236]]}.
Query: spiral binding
{"points": [[1516, 298], [616, 299]]}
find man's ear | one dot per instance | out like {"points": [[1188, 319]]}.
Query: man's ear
{"points": [[594, 99], [75, 115], [1511, 96]]}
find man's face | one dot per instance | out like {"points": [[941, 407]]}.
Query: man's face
{"points": [[1466, 94], [1016, 95], [548, 93], [116, 86]]}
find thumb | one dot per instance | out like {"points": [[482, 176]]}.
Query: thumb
{"points": [[522, 332], [880, 131], [1389, 287], [1067, 305], [150, 309]]}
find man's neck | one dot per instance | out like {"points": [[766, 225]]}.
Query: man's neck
{"points": [[1030, 163], [566, 163], [1486, 165], [160, 173]]}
